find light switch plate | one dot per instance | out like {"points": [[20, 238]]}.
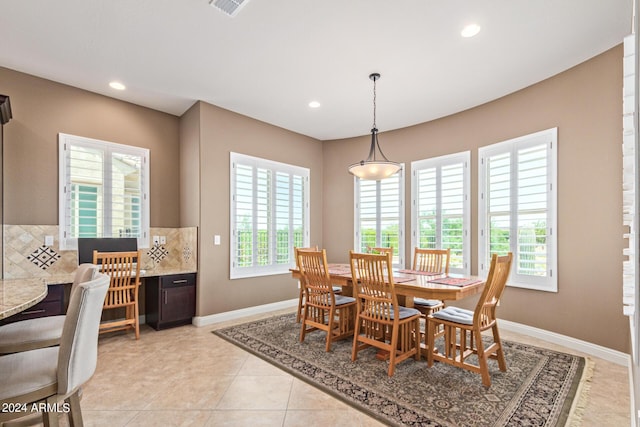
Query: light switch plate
{"points": [[163, 240], [48, 240], [156, 240], [216, 239]]}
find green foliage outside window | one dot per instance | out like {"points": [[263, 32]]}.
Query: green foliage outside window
{"points": [[244, 250], [388, 238], [452, 237]]}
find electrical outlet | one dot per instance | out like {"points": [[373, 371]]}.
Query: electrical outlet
{"points": [[163, 240], [48, 240]]}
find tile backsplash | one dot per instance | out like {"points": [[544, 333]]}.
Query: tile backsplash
{"points": [[27, 256]]}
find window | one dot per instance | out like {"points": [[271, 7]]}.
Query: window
{"points": [[441, 207], [269, 215], [379, 215], [103, 190], [517, 208]]}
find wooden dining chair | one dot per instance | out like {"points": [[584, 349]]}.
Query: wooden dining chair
{"points": [[301, 290], [124, 270], [463, 328], [432, 261], [381, 322], [323, 309]]}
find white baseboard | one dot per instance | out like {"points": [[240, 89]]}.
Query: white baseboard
{"points": [[605, 353], [552, 337], [243, 312]]}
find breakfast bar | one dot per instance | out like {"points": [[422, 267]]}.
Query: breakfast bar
{"points": [[17, 295]]}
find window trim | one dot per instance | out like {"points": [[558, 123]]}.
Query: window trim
{"points": [[401, 223], [438, 163], [271, 269], [548, 283], [64, 180]]}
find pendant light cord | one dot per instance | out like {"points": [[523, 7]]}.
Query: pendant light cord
{"points": [[374, 102]]}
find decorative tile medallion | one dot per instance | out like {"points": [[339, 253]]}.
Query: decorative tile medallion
{"points": [[187, 253], [44, 257], [157, 253]]}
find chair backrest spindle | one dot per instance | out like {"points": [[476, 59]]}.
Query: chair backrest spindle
{"points": [[374, 277], [432, 260], [315, 275]]}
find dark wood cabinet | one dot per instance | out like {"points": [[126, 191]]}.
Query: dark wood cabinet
{"points": [[51, 305], [170, 300]]}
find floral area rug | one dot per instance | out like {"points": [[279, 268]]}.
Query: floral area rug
{"points": [[537, 390]]}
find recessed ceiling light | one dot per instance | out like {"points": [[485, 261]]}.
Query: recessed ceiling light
{"points": [[314, 104], [117, 86], [470, 30]]}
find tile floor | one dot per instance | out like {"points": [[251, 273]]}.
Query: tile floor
{"points": [[187, 376]]}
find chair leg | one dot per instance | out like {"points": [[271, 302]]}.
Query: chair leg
{"points": [[416, 339], [482, 360], [502, 363], [50, 418], [430, 341], [394, 349], [356, 333], [299, 312], [332, 314], [75, 415], [303, 329], [137, 320]]}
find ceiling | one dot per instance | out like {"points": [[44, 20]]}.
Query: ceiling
{"points": [[275, 56]]}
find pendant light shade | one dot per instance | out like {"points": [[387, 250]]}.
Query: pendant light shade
{"points": [[377, 166]]}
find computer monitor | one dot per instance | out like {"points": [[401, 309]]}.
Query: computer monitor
{"points": [[86, 246]]}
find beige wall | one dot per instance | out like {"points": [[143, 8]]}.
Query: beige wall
{"points": [[42, 109], [190, 167], [220, 132], [585, 103]]}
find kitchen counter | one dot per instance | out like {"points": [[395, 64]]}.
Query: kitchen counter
{"points": [[17, 295]]}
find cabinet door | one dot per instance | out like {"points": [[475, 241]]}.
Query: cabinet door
{"points": [[178, 303]]}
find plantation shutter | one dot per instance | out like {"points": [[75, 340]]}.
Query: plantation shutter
{"points": [[517, 211], [103, 190], [427, 208], [441, 207], [379, 211], [244, 215], [368, 213], [269, 215], [126, 195], [532, 211]]}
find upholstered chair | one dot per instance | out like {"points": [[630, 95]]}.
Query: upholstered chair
{"points": [[43, 331], [50, 378]]}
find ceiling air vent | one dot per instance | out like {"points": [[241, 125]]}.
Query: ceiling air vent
{"points": [[230, 7]]}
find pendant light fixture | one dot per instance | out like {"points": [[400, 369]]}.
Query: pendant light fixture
{"points": [[376, 166]]}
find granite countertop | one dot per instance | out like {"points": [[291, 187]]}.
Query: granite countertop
{"points": [[17, 295]]}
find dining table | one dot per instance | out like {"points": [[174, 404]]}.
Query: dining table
{"points": [[410, 284], [16, 295]]}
